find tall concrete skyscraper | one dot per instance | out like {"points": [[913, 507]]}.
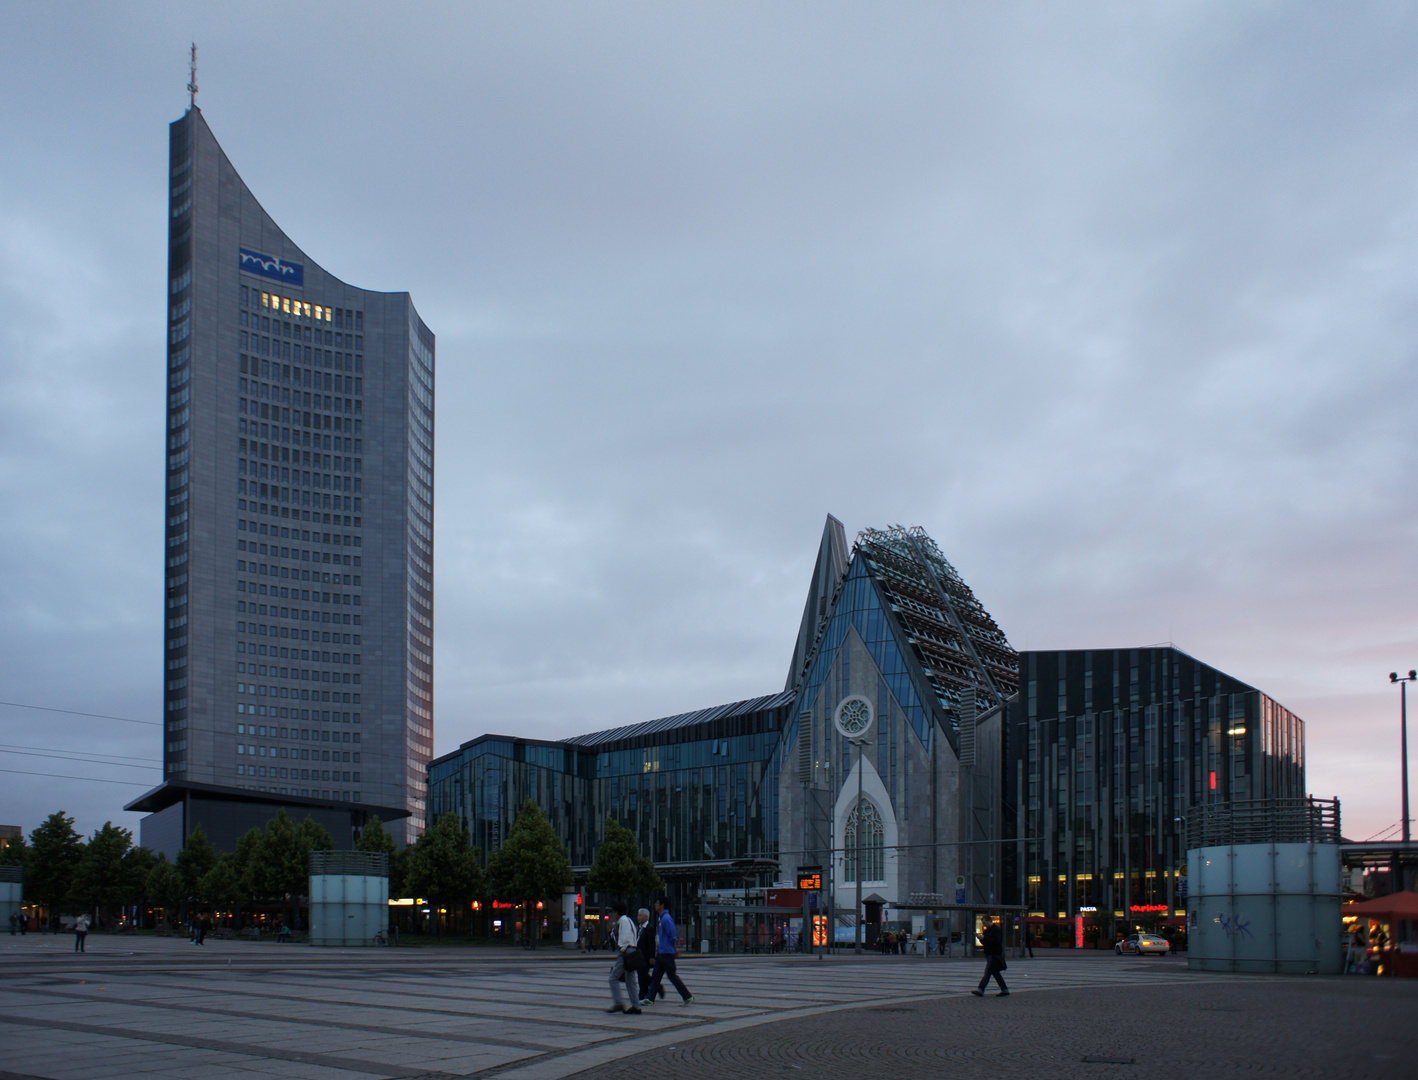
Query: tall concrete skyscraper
{"points": [[298, 649]]}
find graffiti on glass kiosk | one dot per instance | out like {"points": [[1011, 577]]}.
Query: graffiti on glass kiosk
{"points": [[1234, 926]]}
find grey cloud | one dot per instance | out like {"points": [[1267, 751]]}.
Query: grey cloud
{"points": [[1116, 302]]}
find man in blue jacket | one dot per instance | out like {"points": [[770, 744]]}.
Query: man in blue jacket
{"points": [[665, 957]]}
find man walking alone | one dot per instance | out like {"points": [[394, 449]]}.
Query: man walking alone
{"points": [[992, 941], [81, 931], [665, 957], [625, 945]]}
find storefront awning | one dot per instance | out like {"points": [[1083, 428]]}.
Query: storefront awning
{"points": [[1399, 905]]}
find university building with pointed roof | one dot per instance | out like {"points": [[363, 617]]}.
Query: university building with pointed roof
{"points": [[1049, 781]]}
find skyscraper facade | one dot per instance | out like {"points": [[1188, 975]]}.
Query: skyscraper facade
{"points": [[298, 641]]}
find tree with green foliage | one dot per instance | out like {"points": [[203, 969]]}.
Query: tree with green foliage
{"points": [[14, 852], [99, 879], [274, 863], [620, 869], [531, 866], [137, 865], [221, 885], [195, 861], [374, 837], [55, 851], [288, 847], [445, 868], [164, 886]]}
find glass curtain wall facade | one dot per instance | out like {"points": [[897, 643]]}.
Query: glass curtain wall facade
{"points": [[1106, 749], [299, 509], [697, 789]]}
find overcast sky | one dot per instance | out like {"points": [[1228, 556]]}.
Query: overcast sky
{"points": [[1117, 301]]}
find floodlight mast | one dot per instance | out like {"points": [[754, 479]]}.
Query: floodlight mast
{"points": [[1403, 742]]}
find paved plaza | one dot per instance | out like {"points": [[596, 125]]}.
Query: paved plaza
{"points": [[155, 1008]]}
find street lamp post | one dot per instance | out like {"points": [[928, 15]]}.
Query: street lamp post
{"points": [[1403, 740], [861, 745], [853, 719]]}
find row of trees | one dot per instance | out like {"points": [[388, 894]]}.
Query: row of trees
{"points": [[65, 873], [531, 866]]}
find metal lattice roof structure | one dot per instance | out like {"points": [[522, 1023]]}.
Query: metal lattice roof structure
{"points": [[959, 645], [603, 740]]}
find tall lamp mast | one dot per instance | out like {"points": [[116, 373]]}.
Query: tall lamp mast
{"points": [[1403, 682]]}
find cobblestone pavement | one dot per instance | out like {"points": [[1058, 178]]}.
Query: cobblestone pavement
{"points": [[157, 1008], [1331, 1028]]}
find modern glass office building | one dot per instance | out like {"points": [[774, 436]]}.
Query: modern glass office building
{"points": [[697, 789], [298, 649], [1104, 751]]}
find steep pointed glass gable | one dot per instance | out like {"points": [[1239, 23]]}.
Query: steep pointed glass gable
{"points": [[859, 605]]}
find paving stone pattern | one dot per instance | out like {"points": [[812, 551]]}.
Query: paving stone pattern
{"points": [[1328, 1028], [160, 1008]]}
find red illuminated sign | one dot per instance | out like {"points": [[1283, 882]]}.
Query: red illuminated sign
{"points": [[1148, 907], [1078, 931], [1213, 781]]}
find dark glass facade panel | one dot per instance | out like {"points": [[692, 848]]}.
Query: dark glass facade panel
{"points": [[1104, 753], [700, 792]]}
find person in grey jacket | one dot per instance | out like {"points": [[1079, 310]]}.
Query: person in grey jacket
{"points": [[626, 944], [81, 931]]}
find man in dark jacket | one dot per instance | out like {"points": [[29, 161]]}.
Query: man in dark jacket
{"points": [[992, 942], [648, 933]]}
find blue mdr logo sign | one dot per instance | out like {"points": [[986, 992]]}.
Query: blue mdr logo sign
{"points": [[253, 262]]}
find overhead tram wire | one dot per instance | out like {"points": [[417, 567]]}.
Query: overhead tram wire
{"points": [[1384, 834], [66, 776], [84, 758], [90, 753], [75, 712]]}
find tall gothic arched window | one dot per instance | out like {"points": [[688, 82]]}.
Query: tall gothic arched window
{"points": [[866, 816]]}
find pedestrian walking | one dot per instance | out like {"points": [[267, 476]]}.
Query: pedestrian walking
{"points": [[14, 923], [627, 946], [81, 931], [665, 953], [202, 926], [992, 941], [1029, 941], [649, 938]]}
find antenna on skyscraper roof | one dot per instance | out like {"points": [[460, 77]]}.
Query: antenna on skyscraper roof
{"points": [[192, 85]]}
